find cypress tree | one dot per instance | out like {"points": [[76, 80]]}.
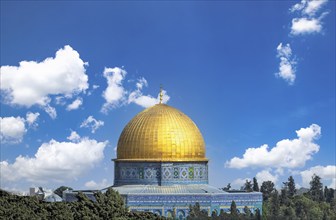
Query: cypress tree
{"points": [[233, 210], [291, 187], [316, 190], [255, 185]]}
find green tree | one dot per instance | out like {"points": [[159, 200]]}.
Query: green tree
{"points": [[109, 205], [223, 215], [316, 189], [267, 188], [233, 210], [306, 208], [227, 187], [287, 212], [274, 204], [195, 212], [255, 185], [329, 194], [291, 187], [248, 186], [247, 212], [257, 214], [284, 194]]}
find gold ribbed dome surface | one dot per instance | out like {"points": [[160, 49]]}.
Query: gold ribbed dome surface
{"points": [[161, 133]]}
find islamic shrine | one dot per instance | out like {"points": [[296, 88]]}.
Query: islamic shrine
{"points": [[161, 167]]}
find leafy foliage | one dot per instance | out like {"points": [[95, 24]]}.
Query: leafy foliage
{"points": [[195, 212], [317, 203], [227, 187], [267, 188], [109, 205], [248, 186], [316, 189], [255, 185]]}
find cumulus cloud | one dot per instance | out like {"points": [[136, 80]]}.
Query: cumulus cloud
{"points": [[92, 123], [32, 83], [286, 154], [305, 26], [75, 104], [51, 111], [100, 185], [31, 118], [287, 64], [146, 100], [308, 7], [327, 173], [265, 175], [73, 136], [55, 162], [12, 129], [239, 183], [307, 23], [114, 94]]}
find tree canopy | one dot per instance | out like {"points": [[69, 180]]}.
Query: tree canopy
{"points": [[109, 205], [318, 203]]}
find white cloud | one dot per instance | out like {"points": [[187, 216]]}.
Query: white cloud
{"points": [[60, 100], [145, 100], [92, 123], [73, 136], [308, 23], [287, 64], [31, 118], [115, 150], [142, 82], [55, 162], [31, 83], [308, 7], [75, 104], [95, 87], [286, 154], [239, 183], [51, 111], [94, 185], [265, 175], [114, 94], [327, 173], [12, 129], [305, 26]]}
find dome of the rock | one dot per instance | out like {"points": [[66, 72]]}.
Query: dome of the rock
{"points": [[161, 133]]}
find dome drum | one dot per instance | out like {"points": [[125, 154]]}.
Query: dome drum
{"points": [[160, 173]]}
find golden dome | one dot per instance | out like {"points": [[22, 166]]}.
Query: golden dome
{"points": [[161, 133]]}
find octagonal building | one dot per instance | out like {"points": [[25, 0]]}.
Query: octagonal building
{"points": [[161, 167]]}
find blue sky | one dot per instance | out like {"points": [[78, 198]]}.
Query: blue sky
{"points": [[249, 74]]}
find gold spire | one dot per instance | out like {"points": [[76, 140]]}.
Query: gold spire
{"points": [[161, 94]]}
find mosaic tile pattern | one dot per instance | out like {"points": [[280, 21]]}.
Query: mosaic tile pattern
{"points": [[179, 203], [160, 173]]}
